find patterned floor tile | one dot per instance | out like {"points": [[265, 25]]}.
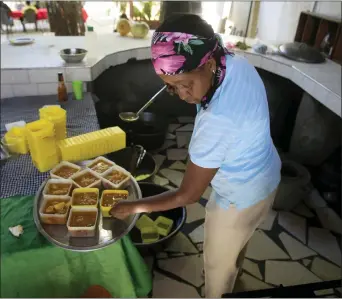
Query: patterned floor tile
{"points": [[186, 119], [315, 200], [197, 235], [306, 262], [162, 255], [323, 242], [187, 267], [186, 128], [164, 287], [174, 176], [329, 219], [295, 249], [200, 246], [194, 212], [160, 181], [252, 268], [170, 136], [178, 165], [159, 160], [173, 127], [181, 243], [183, 139], [303, 210], [294, 224], [267, 224], [288, 273], [167, 144], [247, 282], [324, 292], [174, 154], [261, 247], [325, 270], [207, 193]]}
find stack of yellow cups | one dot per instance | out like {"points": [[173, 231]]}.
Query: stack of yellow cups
{"points": [[58, 117], [42, 144]]}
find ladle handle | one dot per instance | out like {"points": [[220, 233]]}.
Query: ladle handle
{"points": [[151, 101]]}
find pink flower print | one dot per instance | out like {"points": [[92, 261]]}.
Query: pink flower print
{"points": [[169, 65], [161, 49], [205, 58], [178, 36]]}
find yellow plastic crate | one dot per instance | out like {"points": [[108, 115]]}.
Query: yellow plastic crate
{"points": [[16, 140], [58, 117], [90, 145]]}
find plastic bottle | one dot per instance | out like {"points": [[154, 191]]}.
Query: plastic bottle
{"points": [[91, 41]]}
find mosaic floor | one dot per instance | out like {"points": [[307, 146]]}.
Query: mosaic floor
{"points": [[303, 243]]}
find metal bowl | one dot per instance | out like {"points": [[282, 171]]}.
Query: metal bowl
{"points": [[73, 55]]}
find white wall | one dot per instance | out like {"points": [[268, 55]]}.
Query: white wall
{"points": [[239, 15], [329, 8], [278, 20]]}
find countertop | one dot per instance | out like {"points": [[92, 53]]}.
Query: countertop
{"points": [[32, 69]]}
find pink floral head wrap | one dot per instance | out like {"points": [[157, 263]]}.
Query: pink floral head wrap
{"points": [[175, 53]]}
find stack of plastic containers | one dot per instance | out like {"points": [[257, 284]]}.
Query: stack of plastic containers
{"points": [[90, 145], [58, 117], [42, 144], [16, 140]]}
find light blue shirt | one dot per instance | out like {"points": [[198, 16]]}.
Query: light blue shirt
{"points": [[233, 135]]}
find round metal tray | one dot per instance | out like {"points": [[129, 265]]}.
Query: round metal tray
{"points": [[108, 230]]}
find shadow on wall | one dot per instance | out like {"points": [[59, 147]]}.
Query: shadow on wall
{"points": [[127, 87]]}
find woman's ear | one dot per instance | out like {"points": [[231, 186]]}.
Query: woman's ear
{"points": [[212, 65]]}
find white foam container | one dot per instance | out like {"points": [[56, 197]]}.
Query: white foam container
{"points": [[58, 181], [87, 231], [98, 159], [122, 185], [54, 218], [64, 163], [96, 184]]}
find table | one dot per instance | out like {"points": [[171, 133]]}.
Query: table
{"points": [[42, 14], [30, 266], [81, 118]]}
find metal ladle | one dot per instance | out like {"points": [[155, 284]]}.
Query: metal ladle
{"points": [[132, 116]]}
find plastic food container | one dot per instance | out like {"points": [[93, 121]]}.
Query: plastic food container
{"points": [[92, 179], [54, 218], [116, 196], [82, 222], [58, 187], [163, 225], [79, 191], [149, 234], [100, 165], [58, 117], [144, 221], [64, 170], [107, 184]]}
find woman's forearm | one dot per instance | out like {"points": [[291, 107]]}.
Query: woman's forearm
{"points": [[161, 202]]}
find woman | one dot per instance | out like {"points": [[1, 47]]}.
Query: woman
{"points": [[231, 146]]}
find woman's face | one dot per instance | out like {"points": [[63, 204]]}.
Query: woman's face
{"points": [[192, 86]]}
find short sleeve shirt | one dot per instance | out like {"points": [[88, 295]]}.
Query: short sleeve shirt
{"points": [[233, 135]]}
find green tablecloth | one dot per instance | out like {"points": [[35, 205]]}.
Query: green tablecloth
{"points": [[32, 268]]}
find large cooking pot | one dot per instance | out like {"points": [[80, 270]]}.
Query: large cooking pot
{"points": [[178, 216], [149, 130]]}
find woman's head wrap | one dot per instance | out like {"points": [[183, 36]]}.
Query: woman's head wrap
{"points": [[175, 53]]}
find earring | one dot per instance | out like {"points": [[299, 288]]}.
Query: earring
{"points": [[213, 71]]}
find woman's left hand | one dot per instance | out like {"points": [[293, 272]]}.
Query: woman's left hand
{"points": [[122, 209]]}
